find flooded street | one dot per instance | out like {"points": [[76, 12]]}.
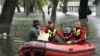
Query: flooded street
{"points": [[9, 47]]}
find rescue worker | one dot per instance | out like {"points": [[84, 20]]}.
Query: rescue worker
{"points": [[78, 34], [52, 32], [34, 31]]}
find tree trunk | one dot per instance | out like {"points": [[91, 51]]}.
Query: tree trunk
{"points": [[83, 13], [53, 14], [41, 10], [83, 9], [18, 8], [49, 6], [24, 5], [43, 16], [65, 6], [89, 12], [27, 11], [27, 7], [34, 6], [31, 7], [7, 15], [96, 2]]}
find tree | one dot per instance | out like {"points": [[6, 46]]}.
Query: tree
{"points": [[39, 5], [49, 6], [31, 7], [96, 2], [27, 6], [83, 9], [24, 5], [65, 6], [83, 13], [18, 8], [36, 3], [7, 15], [54, 7]]}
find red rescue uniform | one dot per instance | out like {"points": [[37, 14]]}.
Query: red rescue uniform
{"points": [[52, 32], [79, 35]]}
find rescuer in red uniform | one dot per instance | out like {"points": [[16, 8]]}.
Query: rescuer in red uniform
{"points": [[52, 31], [78, 34]]}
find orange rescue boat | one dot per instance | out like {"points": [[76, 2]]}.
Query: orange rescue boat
{"points": [[38, 48]]}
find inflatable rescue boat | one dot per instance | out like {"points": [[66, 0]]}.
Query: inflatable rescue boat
{"points": [[38, 48]]}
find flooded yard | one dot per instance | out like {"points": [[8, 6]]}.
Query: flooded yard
{"points": [[19, 29]]}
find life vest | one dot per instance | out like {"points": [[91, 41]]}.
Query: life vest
{"points": [[77, 33], [51, 33]]}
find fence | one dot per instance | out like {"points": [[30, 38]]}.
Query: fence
{"points": [[74, 6]]}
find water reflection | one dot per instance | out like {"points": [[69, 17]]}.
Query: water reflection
{"points": [[6, 47]]}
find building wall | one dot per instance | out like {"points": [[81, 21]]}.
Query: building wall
{"points": [[98, 9]]}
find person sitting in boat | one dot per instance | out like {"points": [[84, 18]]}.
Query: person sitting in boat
{"points": [[52, 31], [78, 34], [34, 31]]}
